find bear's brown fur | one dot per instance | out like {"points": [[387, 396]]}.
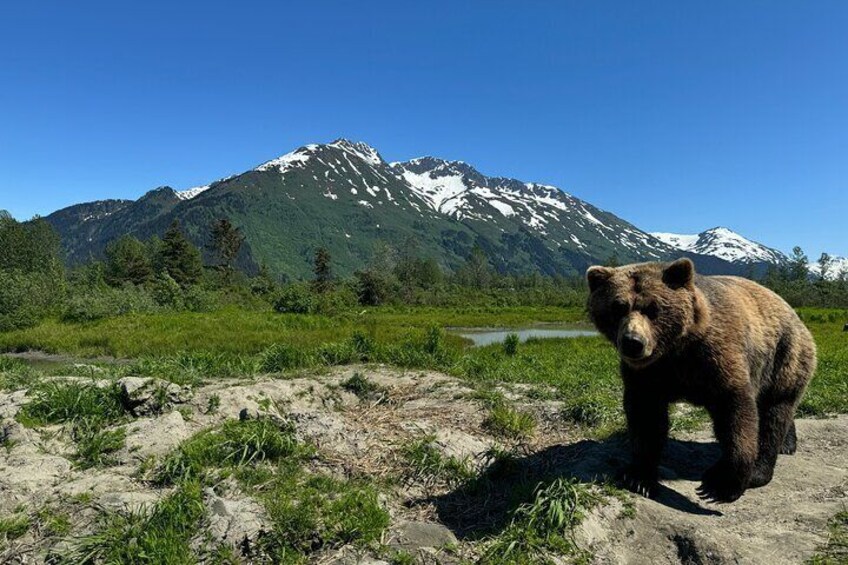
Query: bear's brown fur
{"points": [[725, 343]]}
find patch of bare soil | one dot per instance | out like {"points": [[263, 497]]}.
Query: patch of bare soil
{"points": [[435, 519]]}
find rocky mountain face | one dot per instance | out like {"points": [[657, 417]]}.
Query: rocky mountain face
{"points": [[725, 244], [345, 197]]}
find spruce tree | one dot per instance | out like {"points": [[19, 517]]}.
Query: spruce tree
{"points": [[323, 271], [179, 258], [226, 243], [127, 261]]}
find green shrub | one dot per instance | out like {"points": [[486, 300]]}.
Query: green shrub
{"points": [[363, 388], [363, 345], [336, 301], [87, 305], [544, 525], [26, 298], [198, 299], [434, 340], [510, 423], [294, 299], [167, 292], [510, 344]]}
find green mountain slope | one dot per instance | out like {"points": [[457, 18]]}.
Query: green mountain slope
{"points": [[345, 197]]}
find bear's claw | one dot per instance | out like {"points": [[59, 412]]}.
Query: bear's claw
{"points": [[639, 485], [718, 485]]}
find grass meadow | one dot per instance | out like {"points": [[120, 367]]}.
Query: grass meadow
{"points": [[309, 510], [233, 342]]}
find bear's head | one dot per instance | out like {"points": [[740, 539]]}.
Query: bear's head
{"points": [[645, 309]]}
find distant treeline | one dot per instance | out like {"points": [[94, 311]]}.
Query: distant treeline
{"points": [[168, 273]]}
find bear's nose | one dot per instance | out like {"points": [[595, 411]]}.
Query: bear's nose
{"points": [[632, 346]]}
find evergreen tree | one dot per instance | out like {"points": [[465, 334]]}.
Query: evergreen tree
{"points": [[476, 271], [323, 280], [31, 247], [825, 264], [32, 278], [226, 243], [127, 261], [179, 258], [798, 265], [613, 260]]}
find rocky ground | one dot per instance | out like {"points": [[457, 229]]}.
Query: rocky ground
{"points": [[433, 518]]}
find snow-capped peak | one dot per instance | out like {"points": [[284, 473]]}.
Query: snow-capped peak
{"points": [[190, 193], [836, 268], [289, 160], [440, 189], [723, 243], [359, 149]]}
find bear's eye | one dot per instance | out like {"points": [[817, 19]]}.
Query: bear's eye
{"points": [[620, 308], [651, 311]]}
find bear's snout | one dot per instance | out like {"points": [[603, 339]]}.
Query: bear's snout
{"points": [[632, 346], [634, 338]]}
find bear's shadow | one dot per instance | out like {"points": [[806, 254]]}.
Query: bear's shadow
{"points": [[485, 505]]}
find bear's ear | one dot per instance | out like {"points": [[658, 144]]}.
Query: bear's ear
{"points": [[598, 276], [680, 273]]}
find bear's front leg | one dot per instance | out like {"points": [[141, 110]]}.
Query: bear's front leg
{"points": [[647, 426], [736, 428]]}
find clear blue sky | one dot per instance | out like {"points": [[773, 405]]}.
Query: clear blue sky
{"points": [[677, 116]]}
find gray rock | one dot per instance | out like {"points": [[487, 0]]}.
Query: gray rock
{"points": [[144, 396], [133, 501], [236, 522], [415, 535], [155, 436]]}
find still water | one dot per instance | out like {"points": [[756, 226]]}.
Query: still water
{"points": [[488, 336]]}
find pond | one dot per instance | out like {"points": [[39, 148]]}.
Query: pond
{"points": [[488, 336]]}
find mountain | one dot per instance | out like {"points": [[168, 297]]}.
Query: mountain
{"points": [[344, 196], [838, 268], [725, 244]]}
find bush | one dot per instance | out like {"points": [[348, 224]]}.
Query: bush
{"points": [[167, 292], [510, 344], [294, 299], [26, 298], [335, 301], [197, 299], [104, 302]]}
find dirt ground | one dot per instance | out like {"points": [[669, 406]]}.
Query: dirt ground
{"points": [[783, 522]]}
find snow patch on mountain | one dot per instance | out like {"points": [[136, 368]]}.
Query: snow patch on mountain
{"points": [[298, 157], [723, 243], [439, 192], [837, 269], [360, 150], [190, 193], [680, 241]]}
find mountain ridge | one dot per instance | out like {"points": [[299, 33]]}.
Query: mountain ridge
{"points": [[724, 243], [344, 196]]}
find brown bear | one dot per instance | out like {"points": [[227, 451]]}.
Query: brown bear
{"points": [[721, 342]]}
